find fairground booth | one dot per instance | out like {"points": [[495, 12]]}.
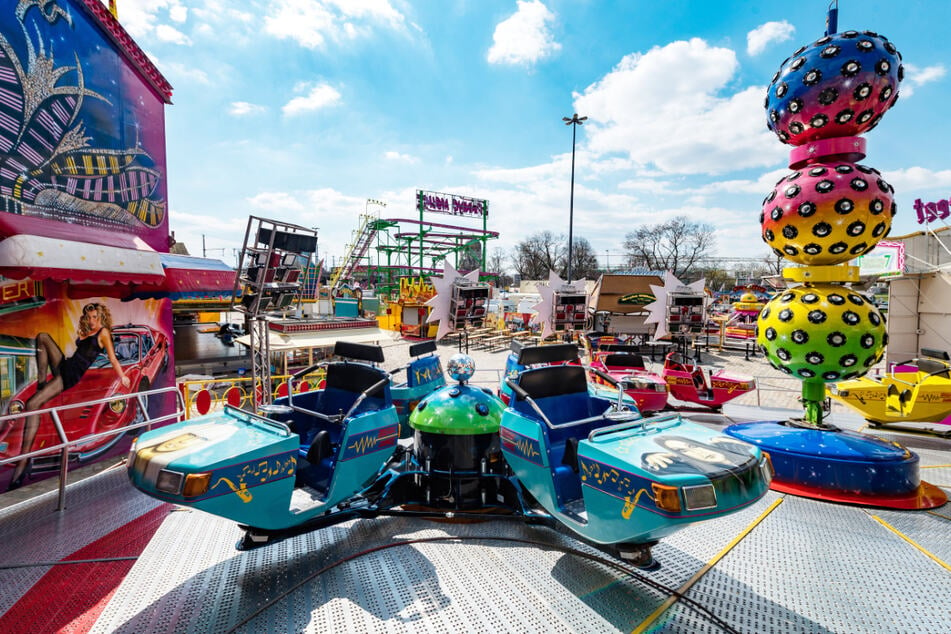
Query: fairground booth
{"points": [[87, 280]]}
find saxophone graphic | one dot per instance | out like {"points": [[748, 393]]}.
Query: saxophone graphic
{"points": [[241, 490]]}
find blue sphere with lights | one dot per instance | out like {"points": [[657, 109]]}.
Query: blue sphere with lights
{"points": [[460, 367]]}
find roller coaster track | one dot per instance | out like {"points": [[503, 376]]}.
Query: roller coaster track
{"points": [[355, 250]]}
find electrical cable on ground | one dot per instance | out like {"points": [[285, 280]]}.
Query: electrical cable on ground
{"points": [[617, 566], [679, 593], [40, 564]]}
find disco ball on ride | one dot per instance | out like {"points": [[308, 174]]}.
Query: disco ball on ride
{"points": [[460, 367], [827, 213], [821, 332], [838, 86]]}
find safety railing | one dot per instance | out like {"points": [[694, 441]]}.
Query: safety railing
{"points": [[66, 444], [202, 396], [766, 386]]}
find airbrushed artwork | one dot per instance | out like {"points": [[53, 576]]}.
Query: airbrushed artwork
{"points": [[83, 220], [82, 138]]}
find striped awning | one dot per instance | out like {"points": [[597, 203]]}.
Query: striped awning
{"points": [[142, 272], [41, 257]]}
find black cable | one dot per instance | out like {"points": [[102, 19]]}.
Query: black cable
{"points": [[38, 564], [691, 603]]}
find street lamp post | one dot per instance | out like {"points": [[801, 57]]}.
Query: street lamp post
{"points": [[574, 122]]}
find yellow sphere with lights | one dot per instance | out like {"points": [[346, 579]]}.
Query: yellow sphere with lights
{"points": [[821, 332]]}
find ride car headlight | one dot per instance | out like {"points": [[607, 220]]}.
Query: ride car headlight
{"points": [[833, 389], [169, 481], [16, 407], [117, 406], [701, 496]]}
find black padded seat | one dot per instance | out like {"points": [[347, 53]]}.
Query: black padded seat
{"points": [[320, 447], [353, 377], [554, 380], [928, 367], [624, 360]]}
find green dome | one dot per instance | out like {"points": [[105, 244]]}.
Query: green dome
{"points": [[458, 410]]}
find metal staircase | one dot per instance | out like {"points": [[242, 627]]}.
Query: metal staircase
{"points": [[364, 237]]}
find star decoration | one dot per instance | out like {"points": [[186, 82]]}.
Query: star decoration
{"points": [[658, 308], [441, 302], [545, 309]]}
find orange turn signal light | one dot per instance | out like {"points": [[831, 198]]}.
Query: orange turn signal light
{"points": [[196, 484], [666, 497]]}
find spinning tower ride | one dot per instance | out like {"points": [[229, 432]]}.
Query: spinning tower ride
{"points": [[829, 210]]}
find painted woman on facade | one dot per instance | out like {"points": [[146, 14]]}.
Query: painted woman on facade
{"points": [[94, 337]]}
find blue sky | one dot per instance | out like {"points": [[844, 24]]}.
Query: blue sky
{"points": [[301, 110]]}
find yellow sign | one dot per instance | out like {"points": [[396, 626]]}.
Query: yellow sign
{"points": [[416, 289]]}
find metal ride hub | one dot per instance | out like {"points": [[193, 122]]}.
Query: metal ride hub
{"points": [[456, 440], [828, 211]]}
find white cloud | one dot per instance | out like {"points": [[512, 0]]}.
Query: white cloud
{"points": [[918, 178], [525, 37], [397, 156], [762, 36], [336, 213], [218, 234], [144, 18], [178, 13], [284, 202], [664, 108], [915, 77], [221, 16], [172, 35], [243, 108], [319, 96], [176, 71], [311, 23]]}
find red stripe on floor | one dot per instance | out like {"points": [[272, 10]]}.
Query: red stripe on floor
{"points": [[70, 597]]}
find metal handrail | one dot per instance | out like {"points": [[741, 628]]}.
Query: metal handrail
{"points": [[217, 387], [64, 446]]}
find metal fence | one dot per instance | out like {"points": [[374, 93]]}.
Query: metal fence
{"points": [[65, 444], [201, 396]]}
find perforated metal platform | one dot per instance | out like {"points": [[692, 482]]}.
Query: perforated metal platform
{"points": [[786, 564], [35, 532]]}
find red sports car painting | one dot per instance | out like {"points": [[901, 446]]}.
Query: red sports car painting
{"points": [[143, 353]]}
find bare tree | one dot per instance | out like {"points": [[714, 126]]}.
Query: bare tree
{"points": [[584, 261], [496, 264], [470, 257], [775, 263], [675, 245], [537, 254], [716, 279]]}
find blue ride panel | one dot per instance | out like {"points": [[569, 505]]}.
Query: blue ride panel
{"points": [[832, 459]]}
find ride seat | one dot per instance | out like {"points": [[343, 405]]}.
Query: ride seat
{"points": [[319, 439], [423, 371], [561, 392], [933, 367], [624, 361], [345, 382], [675, 361]]}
